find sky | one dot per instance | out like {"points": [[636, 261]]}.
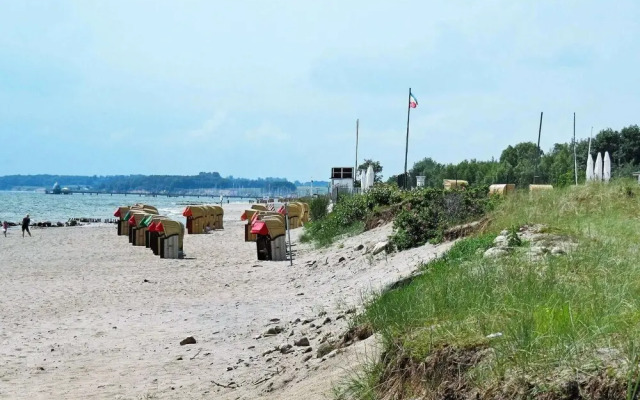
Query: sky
{"points": [[273, 88]]}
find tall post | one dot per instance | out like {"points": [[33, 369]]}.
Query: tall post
{"points": [[357, 133], [406, 151], [286, 220], [575, 159], [355, 170], [535, 171]]}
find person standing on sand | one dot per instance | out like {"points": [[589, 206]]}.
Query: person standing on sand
{"points": [[25, 225], [5, 226]]}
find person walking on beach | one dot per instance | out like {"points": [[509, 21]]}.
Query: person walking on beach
{"points": [[25, 225], [5, 226]]}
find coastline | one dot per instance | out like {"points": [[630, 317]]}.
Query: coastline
{"points": [[61, 209]]}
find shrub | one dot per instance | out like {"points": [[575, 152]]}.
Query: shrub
{"points": [[350, 209], [428, 212], [422, 215], [383, 195], [318, 207]]}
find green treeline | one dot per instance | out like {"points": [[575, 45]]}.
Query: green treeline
{"points": [[517, 164], [148, 183]]}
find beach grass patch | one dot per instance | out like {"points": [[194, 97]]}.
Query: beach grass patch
{"points": [[533, 325]]}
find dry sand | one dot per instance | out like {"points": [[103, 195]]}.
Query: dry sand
{"points": [[85, 315]]}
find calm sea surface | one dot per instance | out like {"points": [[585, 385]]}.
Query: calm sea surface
{"points": [[54, 208]]}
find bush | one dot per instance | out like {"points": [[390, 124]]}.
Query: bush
{"points": [[383, 195], [350, 209], [422, 215], [318, 207], [427, 213]]}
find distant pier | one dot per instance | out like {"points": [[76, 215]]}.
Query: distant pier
{"points": [[164, 194], [147, 194]]}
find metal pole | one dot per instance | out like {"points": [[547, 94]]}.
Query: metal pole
{"points": [[357, 133], [406, 151], [286, 219], [575, 159], [535, 172]]}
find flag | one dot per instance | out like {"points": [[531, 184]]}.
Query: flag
{"points": [[413, 103]]}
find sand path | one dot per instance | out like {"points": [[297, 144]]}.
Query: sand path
{"points": [[85, 315]]}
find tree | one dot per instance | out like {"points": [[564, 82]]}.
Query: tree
{"points": [[556, 167], [514, 155], [377, 168], [608, 140], [524, 159], [518, 162], [630, 144], [431, 170]]}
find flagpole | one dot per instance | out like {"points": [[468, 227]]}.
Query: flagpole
{"points": [[406, 151]]}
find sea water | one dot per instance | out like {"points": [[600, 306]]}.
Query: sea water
{"points": [[59, 207]]}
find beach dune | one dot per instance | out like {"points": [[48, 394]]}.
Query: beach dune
{"points": [[86, 315]]}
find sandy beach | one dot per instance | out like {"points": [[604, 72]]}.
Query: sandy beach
{"points": [[85, 315]]}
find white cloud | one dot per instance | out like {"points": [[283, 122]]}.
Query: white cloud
{"points": [[266, 133], [209, 130]]}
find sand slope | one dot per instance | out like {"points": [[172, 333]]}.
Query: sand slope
{"points": [[79, 321]]}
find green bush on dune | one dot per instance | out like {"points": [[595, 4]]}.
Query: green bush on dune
{"points": [[427, 213], [420, 215], [318, 207]]}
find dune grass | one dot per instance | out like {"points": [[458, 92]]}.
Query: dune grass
{"points": [[324, 234], [563, 316]]}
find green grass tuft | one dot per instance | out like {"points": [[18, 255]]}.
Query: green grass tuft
{"points": [[324, 234]]}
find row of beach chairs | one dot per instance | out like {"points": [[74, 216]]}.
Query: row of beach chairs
{"points": [[203, 218], [268, 228], [144, 227]]}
